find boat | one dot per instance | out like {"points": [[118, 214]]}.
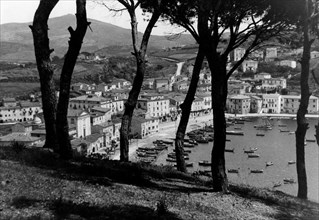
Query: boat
{"points": [[190, 164], [260, 134], [233, 170], [291, 132], [229, 150], [282, 125], [253, 155], [310, 140], [204, 163], [201, 140], [228, 140], [265, 126], [185, 151], [291, 162], [257, 171], [277, 184], [188, 145], [167, 142], [170, 160], [235, 133], [237, 128], [289, 180], [251, 150], [269, 163], [281, 130]]}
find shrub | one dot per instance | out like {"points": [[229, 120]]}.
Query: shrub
{"points": [[17, 147]]}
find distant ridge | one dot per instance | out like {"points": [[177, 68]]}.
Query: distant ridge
{"points": [[17, 41]]}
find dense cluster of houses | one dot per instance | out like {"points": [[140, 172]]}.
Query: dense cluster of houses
{"points": [[95, 110]]}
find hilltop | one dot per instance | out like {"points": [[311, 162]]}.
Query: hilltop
{"points": [[17, 41], [35, 184]]}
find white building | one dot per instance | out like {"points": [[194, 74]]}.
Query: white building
{"points": [[271, 53], [87, 102], [271, 103], [238, 53], [250, 65], [261, 76], [290, 104], [22, 111], [81, 120], [289, 63], [274, 83], [154, 107], [238, 104]]}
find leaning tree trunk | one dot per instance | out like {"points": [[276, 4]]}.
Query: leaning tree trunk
{"points": [[131, 102], [75, 45], [186, 109], [129, 109], [45, 69], [219, 96], [302, 124]]}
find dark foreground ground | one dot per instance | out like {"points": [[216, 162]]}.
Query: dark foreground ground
{"points": [[35, 184]]}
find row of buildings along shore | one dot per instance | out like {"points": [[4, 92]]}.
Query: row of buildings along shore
{"points": [[94, 114]]}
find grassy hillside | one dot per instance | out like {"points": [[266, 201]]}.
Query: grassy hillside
{"points": [[37, 185]]}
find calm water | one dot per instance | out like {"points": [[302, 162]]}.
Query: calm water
{"points": [[278, 147]]}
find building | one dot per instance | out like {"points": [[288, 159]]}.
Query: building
{"points": [[9, 102], [161, 84], [255, 104], [154, 107], [207, 100], [290, 104], [271, 53], [289, 63], [238, 104], [261, 76], [89, 145], [21, 138], [181, 86], [274, 83], [22, 128], [314, 54], [197, 107], [148, 83], [250, 65], [20, 112], [142, 127], [237, 54], [88, 102], [81, 120], [271, 103]]}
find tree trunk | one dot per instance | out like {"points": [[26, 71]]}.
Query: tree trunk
{"points": [[186, 109], [302, 124], [45, 69], [219, 96], [130, 104], [75, 43], [129, 109]]}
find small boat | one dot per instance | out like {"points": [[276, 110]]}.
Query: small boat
{"points": [[231, 150], [257, 171], [237, 128], [281, 130], [269, 163], [310, 140], [187, 145], [167, 142], [204, 163], [171, 160], [253, 155], [291, 162], [260, 134], [202, 140], [265, 126], [185, 151], [277, 184], [251, 150], [228, 140], [282, 125], [289, 180], [233, 170], [190, 164], [291, 132], [235, 133]]}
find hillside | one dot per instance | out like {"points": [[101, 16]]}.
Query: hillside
{"points": [[37, 185], [102, 35]]}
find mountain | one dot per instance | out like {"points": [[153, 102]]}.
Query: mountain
{"points": [[17, 41]]}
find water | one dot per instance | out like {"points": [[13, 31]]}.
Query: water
{"points": [[278, 147]]}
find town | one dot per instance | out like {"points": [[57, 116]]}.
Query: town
{"points": [[94, 114]]}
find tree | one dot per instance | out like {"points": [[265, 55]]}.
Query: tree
{"points": [[139, 52], [309, 26], [55, 117]]}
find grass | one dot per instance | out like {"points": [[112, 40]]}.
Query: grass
{"points": [[14, 89], [36, 184]]}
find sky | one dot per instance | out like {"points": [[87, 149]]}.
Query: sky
{"points": [[13, 11]]}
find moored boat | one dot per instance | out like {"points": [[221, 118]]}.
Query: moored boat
{"points": [[260, 134], [282, 130], [269, 163], [257, 171], [310, 140], [235, 133], [291, 162], [185, 151], [253, 155], [233, 170], [289, 180], [277, 184], [231, 150], [204, 163]]}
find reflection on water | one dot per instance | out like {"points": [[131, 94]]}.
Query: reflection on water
{"points": [[275, 146]]}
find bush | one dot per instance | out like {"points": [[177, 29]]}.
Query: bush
{"points": [[17, 147]]}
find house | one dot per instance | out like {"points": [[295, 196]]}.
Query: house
{"points": [[261, 76], [207, 100], [21, 112], [161, 83], [154, 107], [290, 104], [271, 103], [9, 102], [314, 54], [142, 127], [238, 104], [274, 83], [116, 106], [257, 55], [22, 128], [87, 102], [197, 107], [90, 144], [81, 120], [250, 65], [237, 54], [289, 63], [255, 104], [21, 138], [181, 86], [203, 88], [106, 112], [271, 53], [148, 83]]}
